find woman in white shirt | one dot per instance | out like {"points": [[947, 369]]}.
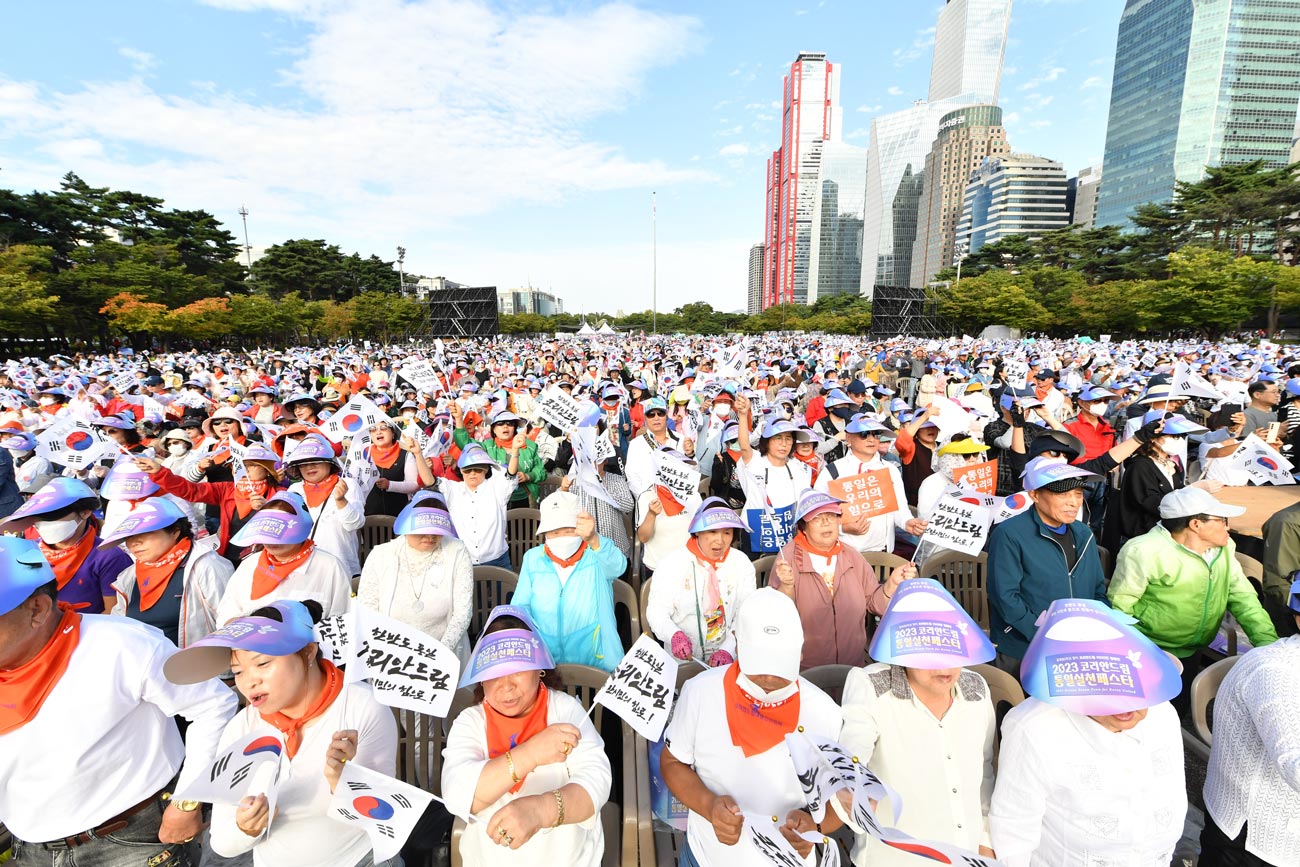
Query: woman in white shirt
{"points": [[424, 577], [524, 762], [336, 510], [288, 566], [699, 588], [1091, 767], [479, 504], [772, 479], [293, 693]]}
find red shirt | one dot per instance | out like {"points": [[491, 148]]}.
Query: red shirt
{"points": [[1097, 439]]}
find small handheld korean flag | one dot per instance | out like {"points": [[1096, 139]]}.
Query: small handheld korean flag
{"points": [[385, 808], [250, 766], [641, 688]]}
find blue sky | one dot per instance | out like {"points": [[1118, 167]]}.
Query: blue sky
{"points": [[501, 143]]}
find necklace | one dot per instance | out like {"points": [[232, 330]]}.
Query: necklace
{"points": [[409, 568]]}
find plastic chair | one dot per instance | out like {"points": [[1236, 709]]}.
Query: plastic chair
{"points": [[1205, 686], [521, 533], [963, 576], [763, 567], [624, 595], [1253, 569], [1107, 562], [420, 740], [1003, 689], [828, 678], [377, 530], [883, 562], [493, 586], [645, 601]]}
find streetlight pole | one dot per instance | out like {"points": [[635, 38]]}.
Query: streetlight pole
{"points": [[960, 256], [248, 251], [401, 269], [654, 258]]}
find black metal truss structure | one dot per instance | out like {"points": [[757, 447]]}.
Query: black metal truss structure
{"points": [[467, 311], [902, 310]]}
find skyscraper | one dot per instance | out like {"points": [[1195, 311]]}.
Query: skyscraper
{"points": [[810, 115], [965, 138], [1197, 83], [835, 251], [1020, 194], [969, 45], [1086, 187], [755, 280], [970, 42]]}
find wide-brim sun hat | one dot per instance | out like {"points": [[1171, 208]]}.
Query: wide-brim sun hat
{"points": [[508, 651], [155, 513], [425, 515], [274, 526], [925, 627], [812, 503], [1056, 476], [715, 514]]}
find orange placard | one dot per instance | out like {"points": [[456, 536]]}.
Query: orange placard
{"points": [[982, 477], [868, 494]]}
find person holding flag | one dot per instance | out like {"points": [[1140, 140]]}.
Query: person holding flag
{"points": [[699, 588], [666, 520], [725, 755], [399, 474], [924, 722], [333, 503], [771, 477], [296, 697], [89, 749], [506, 428], [524, 762], [867, 441], [223, 427], [172, 585], [478, 505], [61, 517], [289, 565]]}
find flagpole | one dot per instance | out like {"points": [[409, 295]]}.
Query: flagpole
{"points": [[654, 260]]}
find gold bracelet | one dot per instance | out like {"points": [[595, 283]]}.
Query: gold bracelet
{"points": [[510, 760], [559, 804]]}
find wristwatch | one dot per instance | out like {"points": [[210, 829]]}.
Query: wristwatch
{"points": [[187, 806]]}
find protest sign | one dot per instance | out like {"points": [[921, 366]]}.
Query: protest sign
{"points": [[1262, 462], [957, 526], [559, 409], [249, 766], [387, 809], [584, 450], [193, 400], [422, 375], [353, 419], [681, 479], [770, 528], [334, 635], [865, 494], [602, 447], [153, 410], [74, 444], [982, 477], [641, 688], [405, 667], [1016, 373], [237, 454], [123, 381]]}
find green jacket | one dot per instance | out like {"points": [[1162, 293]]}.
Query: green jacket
{"points": [[529, 463], [1179, 599]]}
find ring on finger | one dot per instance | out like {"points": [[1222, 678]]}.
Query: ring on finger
{"points": [[502, 832], [510, 841]]}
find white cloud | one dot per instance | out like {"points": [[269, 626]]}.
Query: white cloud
{"points": [[1040, 124], [1092, 81], [738, 149], [731, 130], [1046, 77], [869, 108], [141, 61], [420, 112], [895, 91], [1011, 118], [922, 42]]}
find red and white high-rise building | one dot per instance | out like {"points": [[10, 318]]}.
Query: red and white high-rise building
{"points": [[810, 115]]}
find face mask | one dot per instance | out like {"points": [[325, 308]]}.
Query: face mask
{"points": [[46, 401], [177, 448], [54, 532], [564, 547], [722, 410], [1170, 447], [19, 453], [763, 695]]}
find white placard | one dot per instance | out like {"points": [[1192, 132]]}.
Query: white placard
{"points": [[1016, 373], [406, 667], [559, 409], [681, 478], [641, 688], [957, 526]]}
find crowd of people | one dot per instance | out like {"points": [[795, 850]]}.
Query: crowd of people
{"points": [[176, 524]]}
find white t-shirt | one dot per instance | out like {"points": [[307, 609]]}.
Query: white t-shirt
{"points": [[766, 784], [321, 578], [671, 531]]}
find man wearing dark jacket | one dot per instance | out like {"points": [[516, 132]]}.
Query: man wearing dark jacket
{"points": [[1040, 555]]}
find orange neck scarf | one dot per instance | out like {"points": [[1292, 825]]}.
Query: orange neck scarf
{"points": [[24, 689], [385, 456], [756, 727], [292, 728], [565, 564], [504, 733], [1042, 391], [245, 490], [66, 561], [734, 455], [694, 547], [318, 492], [802, 541], [672, 507], [153, 577], [507, 444], [270, 572]]}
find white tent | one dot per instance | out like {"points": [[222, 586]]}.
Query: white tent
{"points": [[586, 329], [605, 329]]}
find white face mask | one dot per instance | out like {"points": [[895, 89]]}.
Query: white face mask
{"points": [[177, 448], [54, 532], [19, 453], [763, 695], [564, 547], [1171, 446], [722, 410], [46, 401]]}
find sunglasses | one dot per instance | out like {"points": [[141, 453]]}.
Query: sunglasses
{"points": [[656, 413]]}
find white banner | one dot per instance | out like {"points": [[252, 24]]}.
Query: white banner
{"points": [[957, 526], [422, 375], [559, 409], [681, 478], [405, 667], [386, 808], [584, 467], [123, 382], [641, 688], [334, 635], [1016, 373]]}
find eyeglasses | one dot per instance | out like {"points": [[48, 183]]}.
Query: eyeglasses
{"points": [[825, 518], [656, 413], [1208, 518]]}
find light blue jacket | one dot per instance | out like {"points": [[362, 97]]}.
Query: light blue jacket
{"points": [[576, 619]]}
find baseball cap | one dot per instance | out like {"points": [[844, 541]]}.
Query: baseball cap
{"points": [[769, 635], [1189, 501], [559, 510], [23, 570], [1055, 476], [210, 656]]}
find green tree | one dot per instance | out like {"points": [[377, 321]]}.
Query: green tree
{"points": [[26, 305], [314, 268]]}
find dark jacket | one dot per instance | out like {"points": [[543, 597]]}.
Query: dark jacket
{"points": [[1027, 571], [1138, 506]]}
